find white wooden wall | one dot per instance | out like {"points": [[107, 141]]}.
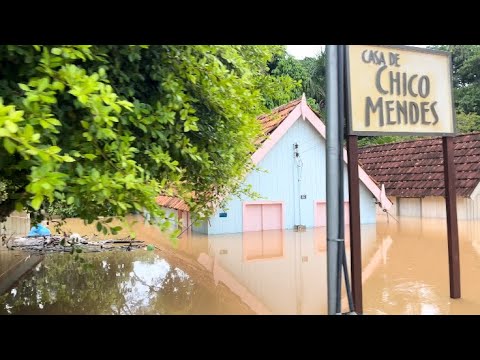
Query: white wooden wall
{"points": [[17, 224], [434, 207]]}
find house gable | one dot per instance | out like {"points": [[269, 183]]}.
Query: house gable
{"points": [[303, 110], [278, 180]]}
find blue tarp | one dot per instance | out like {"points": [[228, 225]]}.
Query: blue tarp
{"points": [[39, 230]]}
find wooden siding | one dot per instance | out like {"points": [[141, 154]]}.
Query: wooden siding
{"points": [[434, 207], [280, 183]]}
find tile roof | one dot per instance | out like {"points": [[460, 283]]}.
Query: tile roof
{"points": [[172, 203], [415, 168], [273, 119]]}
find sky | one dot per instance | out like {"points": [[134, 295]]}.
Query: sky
{"points": [[302, 51]]}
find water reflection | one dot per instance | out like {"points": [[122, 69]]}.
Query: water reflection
{"points": [[279, 272], [405, 271], [138, 282]]}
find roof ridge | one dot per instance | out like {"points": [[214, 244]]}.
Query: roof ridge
{"points": [[414, 140], [280, 108]]}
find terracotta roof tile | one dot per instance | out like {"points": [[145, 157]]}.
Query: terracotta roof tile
{"points": [[273, 119], [415, 168], [172, 203]]}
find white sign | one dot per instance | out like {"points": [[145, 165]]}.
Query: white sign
{"points": [[399, 90]]}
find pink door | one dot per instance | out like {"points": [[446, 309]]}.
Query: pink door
{"points": [[262, 216], [259, 245], [252, 217], [271, 216], [321, 215]]}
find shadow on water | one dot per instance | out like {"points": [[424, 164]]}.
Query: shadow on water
{"points": [[405, 271]]}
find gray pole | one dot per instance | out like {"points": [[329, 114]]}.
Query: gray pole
{"points": [[339, 191], [333, 178]]}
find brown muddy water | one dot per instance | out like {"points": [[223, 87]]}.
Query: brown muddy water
{"points": [[405, 271]]}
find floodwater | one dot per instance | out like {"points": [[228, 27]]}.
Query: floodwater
{"points": [[405, 271]]}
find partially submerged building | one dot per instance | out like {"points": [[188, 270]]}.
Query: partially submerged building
{"points": [[293, 185], [412, 173]]}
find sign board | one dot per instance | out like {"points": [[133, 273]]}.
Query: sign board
{"points": [[399, 90]]}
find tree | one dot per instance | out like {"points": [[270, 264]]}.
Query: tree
{"points": [[466, 76], [283, 83], [316, 85], [108, 128], [299, 76]]}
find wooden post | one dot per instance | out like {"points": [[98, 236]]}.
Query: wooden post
{"points": [[355, 235], [452, 225], [179, 219]]}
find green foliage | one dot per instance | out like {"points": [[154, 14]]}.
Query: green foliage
{"points": [[62, 208], [380, 140], [105, 129], [296, 77], [466, 80], [3, 192], [316, 84], [467, 123], [282, 80]]}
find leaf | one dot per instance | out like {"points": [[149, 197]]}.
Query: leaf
{"points": [[9, 145], [56, 51], [54, 121], [18, 206], [54, 149], [24, 87], [70, 200], [4, 132], [28, 131], [99, 226], [11, 126], [45, 124], [37, 201], [68, 158], [90, 156]]}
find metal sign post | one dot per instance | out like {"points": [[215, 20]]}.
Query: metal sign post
{"points": [[333, 179]]}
